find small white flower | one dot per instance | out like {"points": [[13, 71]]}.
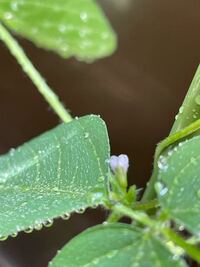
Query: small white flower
{"points": [[119, 162]]}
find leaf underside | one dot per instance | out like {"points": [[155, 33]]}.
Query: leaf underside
{"points": [[179, 178], [59, 172], [69, 27], [115, 245]]}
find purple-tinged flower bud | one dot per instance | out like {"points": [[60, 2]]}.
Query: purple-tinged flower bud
{"points": [[119, 162]]}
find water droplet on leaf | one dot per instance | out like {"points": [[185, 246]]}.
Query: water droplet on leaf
{"points": [[38, 226], [14, 234], [8, 15], [29, 230], [86, 135], [62, 28], [162, 163], [181, 228], [181, 109], [80, 210], [48, 223], [84, 16], [161, 189], [14, 5], [3, 238], [65, 216]]}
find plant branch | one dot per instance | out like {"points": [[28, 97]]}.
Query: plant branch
{"points": [[186, 123], [17, 51], [134, 215], [171, 139], [192, 250]]}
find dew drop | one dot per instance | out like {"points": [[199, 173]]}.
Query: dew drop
{"points": [[162, 163], [12, 151], [95, 197], [29, 230], [80, 211], [48, 223], [64, 48], [8, 15], [161, 188], [175, 257], [95, 261], [86, 135], [181, 228], [14, 5], [3, 238], [62, 28], [84, 16], [94, 206], [112, 254], [181, 109], [197, 100], [14, 234], [38, 227], [170, 152], [65, 216]]}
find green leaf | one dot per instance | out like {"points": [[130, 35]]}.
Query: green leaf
{"points": [[59, 172], [178, 184], [115, 245], [69, 27], [190, 109]]}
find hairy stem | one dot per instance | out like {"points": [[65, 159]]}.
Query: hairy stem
{"points": [[17, 51], [186, 123], [134, 215], [192, 128], [192, 250]]}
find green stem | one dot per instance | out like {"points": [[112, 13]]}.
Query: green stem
{"points": [[192, 128], [192, 250], [152, 204], [134, 215], [189, 112], [34, 75], [138, 206], [114, 217]]}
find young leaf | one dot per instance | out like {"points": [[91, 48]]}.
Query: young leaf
{"points": [[190, 109], [115, 245], [179, 184], [69, 27], [59, 172]]}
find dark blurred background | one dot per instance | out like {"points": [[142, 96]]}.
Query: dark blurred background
{"points": [[137, 91]]}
